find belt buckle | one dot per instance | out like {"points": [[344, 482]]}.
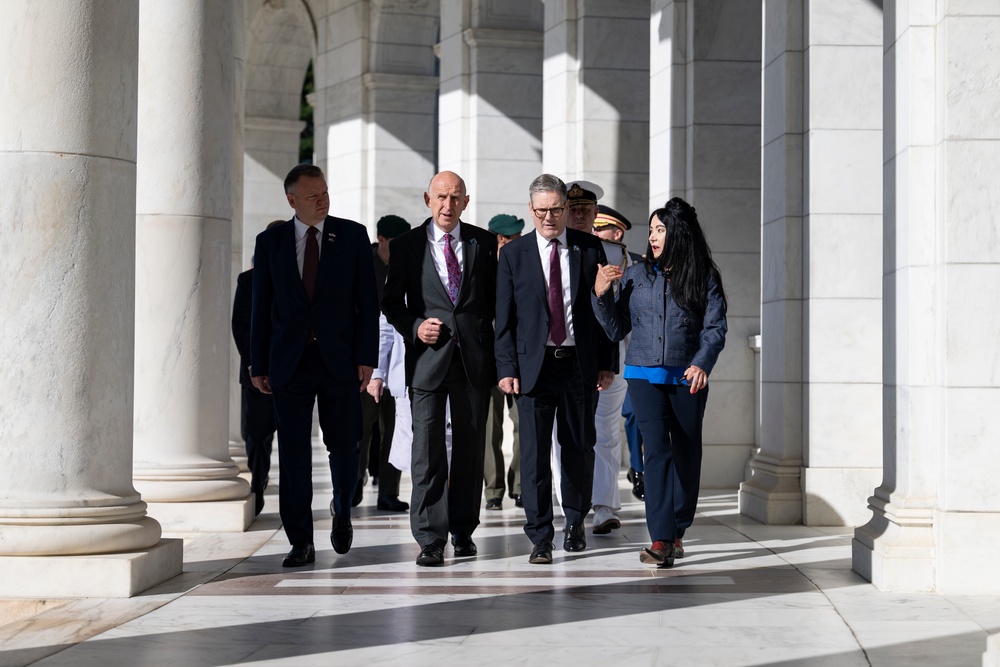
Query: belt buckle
{"points": [[560, 353]]}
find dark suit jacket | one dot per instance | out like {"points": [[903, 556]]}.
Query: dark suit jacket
{"points": [[344, 311], [413, 292], [242, 309], [522, 324]]}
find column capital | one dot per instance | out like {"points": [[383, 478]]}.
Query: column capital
{"points": [[517, 39], [381, 80]]}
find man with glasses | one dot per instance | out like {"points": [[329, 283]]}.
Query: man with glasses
{"points": [[553, 355]]}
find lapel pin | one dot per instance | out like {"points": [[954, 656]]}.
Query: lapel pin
{"points": [[331, 237], [472, 242]]}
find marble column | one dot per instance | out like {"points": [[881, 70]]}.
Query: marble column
{"points": [[71, 523], [821, 298], [376, 91], [237, 448], [596, 108], [183, 253], [936, 516], [490, 127], [704, 145]]}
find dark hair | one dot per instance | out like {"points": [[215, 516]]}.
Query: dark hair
{"points": [[298, 171], [686, 258]]}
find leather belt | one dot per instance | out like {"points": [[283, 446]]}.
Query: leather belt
{"points": [[560, 352]]}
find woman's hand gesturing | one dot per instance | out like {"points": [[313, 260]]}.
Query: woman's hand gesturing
{"points": [[606, 276]]}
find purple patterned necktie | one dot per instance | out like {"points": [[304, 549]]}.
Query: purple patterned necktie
{"points": [[454, 271], [557, 318]]}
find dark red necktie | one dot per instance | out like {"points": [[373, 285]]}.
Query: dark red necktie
{"points": [[310, 263], [557, 318], [454, 270]]}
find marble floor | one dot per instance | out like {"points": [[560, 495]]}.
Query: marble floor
{"points": [[746, 594]]}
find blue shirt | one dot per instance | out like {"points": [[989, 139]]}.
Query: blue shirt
{"points": [[655, 374]]}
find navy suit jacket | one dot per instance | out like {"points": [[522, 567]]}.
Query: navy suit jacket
{"points": [[413, 292], [522, 324], [242, 310], [343, 314]]}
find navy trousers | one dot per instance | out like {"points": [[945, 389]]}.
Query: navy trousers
{"points": [[340, 419], [670, 421]]}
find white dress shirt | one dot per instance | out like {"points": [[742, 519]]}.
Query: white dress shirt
{"points": [[545, 253]]}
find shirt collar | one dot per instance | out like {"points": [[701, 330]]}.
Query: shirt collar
{"points": [[436, 234], [301, 228], [543, 242]]}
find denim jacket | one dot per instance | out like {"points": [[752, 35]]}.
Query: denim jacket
{"points": [[663, 334]]}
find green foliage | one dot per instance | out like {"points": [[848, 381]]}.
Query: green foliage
{"points": [[306, 113]]}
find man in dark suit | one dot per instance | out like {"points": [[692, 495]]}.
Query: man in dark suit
{"points": [[314, 336], [256, 408], [439, 296], [554, 356]]}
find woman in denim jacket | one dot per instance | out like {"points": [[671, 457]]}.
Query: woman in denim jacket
{"points": [[674, 305]]}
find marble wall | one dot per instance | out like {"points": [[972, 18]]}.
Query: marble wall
{"points": [[490, 122]]}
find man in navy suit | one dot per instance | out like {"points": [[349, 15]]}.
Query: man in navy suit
{"points": [[439, 295], [552, 353], [314, 337]]}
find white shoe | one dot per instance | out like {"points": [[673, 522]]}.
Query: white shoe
{"points": [[605, 520]]}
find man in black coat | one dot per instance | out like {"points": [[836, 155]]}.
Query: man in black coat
{"points": [[439, 296], [314, 337], [256, 408], [552, 353]]}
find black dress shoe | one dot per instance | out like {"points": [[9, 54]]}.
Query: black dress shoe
{"points": [[392, 504], [518, 501], [576, 538], [541, 554], [299, 556], [359, 493], [464, 546], [342, 535], [494, 504], [638, 483], [432, 554]]}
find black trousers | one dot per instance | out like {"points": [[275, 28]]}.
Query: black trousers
{"points": [[560, 395], [670, 420], [447, 500], [340, 419], [382, 413], [257, 428]]}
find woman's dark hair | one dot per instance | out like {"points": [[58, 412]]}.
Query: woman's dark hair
{"points": [[686, 258]]}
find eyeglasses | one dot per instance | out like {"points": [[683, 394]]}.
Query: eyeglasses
{"points": [[542, 213]]}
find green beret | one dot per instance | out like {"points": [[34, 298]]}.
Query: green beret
{"points": [[506, 224], [391, 226]]}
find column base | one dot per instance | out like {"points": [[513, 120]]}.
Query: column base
{"points": [[992, 656], [220, 516], [238, 452], [895, 549], [118, 575], [773, 494], [838, 496]]}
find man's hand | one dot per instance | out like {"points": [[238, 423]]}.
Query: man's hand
{"points": [[697, 378], [375, 389], [364, 377], [510, 386], [604, 379], [606, 276], [261, 383], [429, 330]]}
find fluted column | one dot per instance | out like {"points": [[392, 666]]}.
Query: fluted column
{"points": [[67, 169], [183, 245]]}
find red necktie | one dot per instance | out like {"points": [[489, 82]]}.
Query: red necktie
{"points": [[454, 271], [557, 318], [310, 263]]}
